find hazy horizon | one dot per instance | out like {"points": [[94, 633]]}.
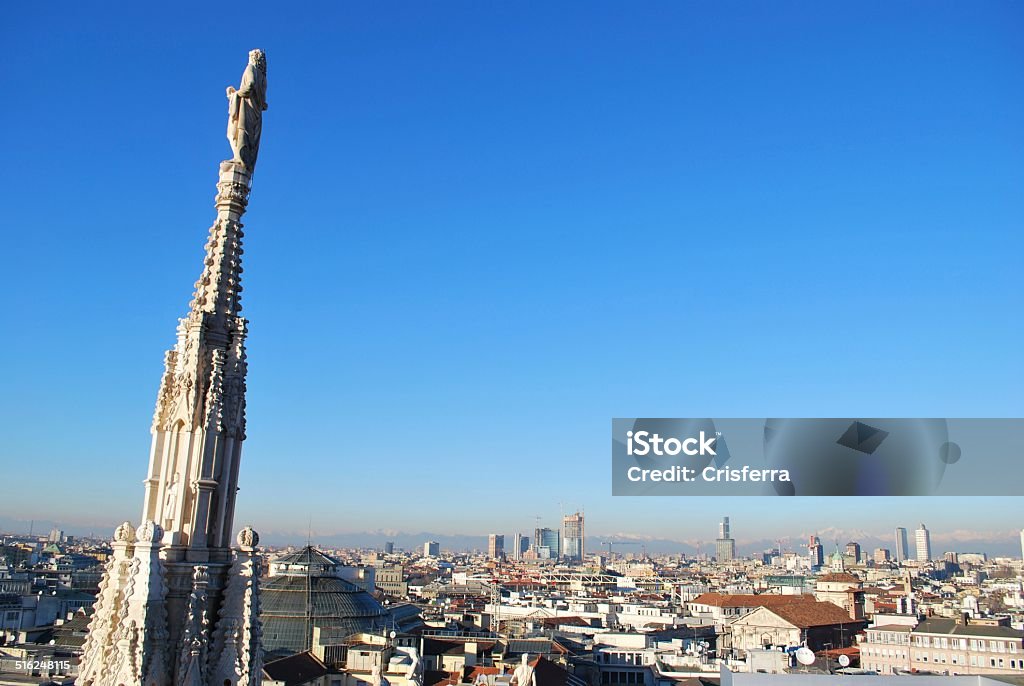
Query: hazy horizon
{"points": [[479, 232]]}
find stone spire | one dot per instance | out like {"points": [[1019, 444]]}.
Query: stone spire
{"points": [[199, 422], [177, 605]]}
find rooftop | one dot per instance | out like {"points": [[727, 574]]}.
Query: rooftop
{"points": [[951, 627]]}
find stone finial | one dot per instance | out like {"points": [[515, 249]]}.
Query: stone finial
{"points": [[248, 538], [124, 533], [149, 531]]}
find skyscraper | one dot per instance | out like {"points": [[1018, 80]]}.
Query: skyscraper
{"points": [[924, 544], [816, 552], [901, 545], [496, 546], [725, 546], [177, 605], [431, 549], [572, 537], [546, 543]]}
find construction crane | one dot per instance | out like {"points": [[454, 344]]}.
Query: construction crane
{"points": [[611, 543]]}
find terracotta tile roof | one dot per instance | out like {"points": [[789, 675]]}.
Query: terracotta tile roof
{"points": [[749, 600], [806, 615], [438, 678], [839, 577], [469, 674]]}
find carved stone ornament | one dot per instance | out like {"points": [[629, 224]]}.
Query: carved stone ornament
{"points": [[248, 538], [149, 531], [124, 533]]}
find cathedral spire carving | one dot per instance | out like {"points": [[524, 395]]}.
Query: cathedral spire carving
{"points": [[178, 606]]}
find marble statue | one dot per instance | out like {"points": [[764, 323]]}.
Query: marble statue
{"points": [[171, 500], [377, 676], [524, 674], [245, 110]]}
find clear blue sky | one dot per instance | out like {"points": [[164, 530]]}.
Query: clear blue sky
{"points": [[478, 231]]}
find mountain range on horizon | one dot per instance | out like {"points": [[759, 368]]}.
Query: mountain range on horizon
{"points": [[994, 544]]}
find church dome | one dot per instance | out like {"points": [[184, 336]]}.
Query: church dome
{"points": [[304, 591]]}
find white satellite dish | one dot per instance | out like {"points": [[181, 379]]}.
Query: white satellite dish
{"points": [[844, 660], [805, 656]]}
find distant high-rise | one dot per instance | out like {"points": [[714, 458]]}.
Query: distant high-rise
{"points": [[816, 552], [496, 546], [572, 537], [901, 545], [431, 549], [924, 544], [725, 546], [881, 556], [389, 547], [853, 550], [546, 543], [517, 547]]}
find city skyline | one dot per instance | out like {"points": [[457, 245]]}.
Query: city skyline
{"points": [[463, 307], [997, 541]]}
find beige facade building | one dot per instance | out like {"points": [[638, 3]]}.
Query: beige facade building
{"points": [[953, 646], [886, 649], [391, 580], [945, 646]]}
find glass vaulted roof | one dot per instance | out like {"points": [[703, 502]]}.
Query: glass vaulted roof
{"points": [[296, 599]]}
